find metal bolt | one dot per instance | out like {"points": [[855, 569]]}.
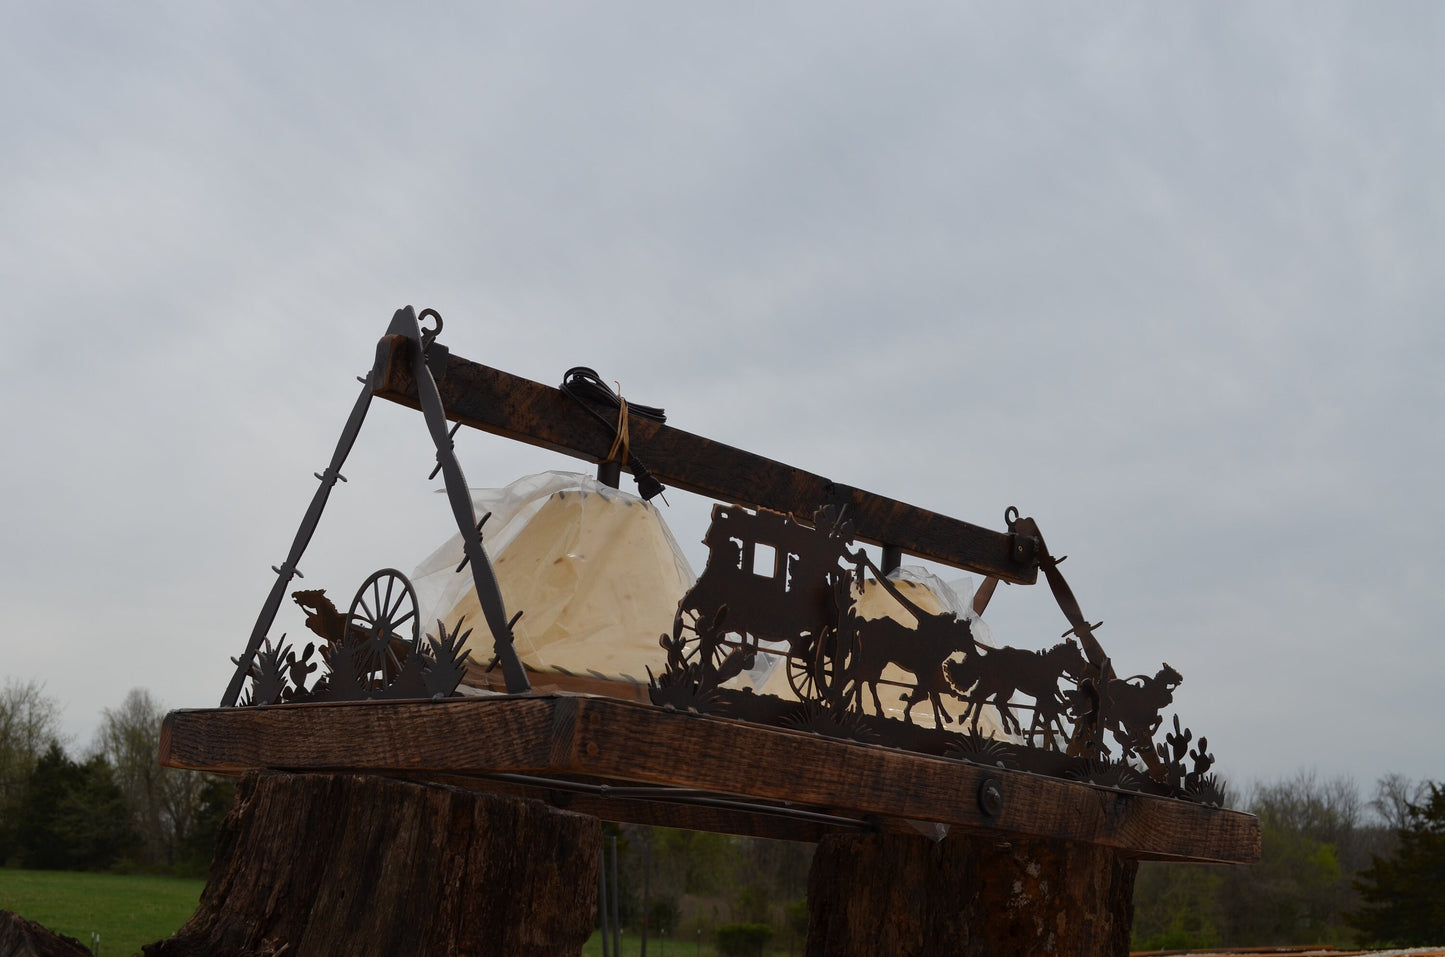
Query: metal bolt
{"points": [[990, 797]]}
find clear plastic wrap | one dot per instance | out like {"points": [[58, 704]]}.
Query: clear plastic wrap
{"points": [[595, 572]]}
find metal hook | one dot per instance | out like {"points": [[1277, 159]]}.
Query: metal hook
{"points": [[430, 334], [1010, 516]]}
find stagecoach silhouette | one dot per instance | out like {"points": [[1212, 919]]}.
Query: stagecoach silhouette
{"points": [[777, 585]]}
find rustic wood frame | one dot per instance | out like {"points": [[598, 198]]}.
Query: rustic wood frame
{"points": [[573, 737], [709, 773]]}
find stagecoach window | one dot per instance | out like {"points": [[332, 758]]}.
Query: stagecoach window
{"points": [[765, 560], [733, 554]]}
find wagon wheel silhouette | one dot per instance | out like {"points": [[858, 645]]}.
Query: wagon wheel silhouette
{"points": [[819, 670], [704, 638], [802, 668], [383, 627]]}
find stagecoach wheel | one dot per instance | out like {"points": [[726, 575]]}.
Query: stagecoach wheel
{"points": [[819, 671], [801, 675], [696, 632], [384, 623]]}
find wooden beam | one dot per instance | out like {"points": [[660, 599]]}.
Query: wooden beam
{"points": [[518, 408], [605, 740]]}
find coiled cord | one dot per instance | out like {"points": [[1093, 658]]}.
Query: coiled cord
{"points": [[585, 387]]}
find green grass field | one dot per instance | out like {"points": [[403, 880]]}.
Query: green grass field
{"points": [[128, 911], [670, 947], [125, 910], [656, 947]]}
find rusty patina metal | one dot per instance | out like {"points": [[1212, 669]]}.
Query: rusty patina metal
{"points": [[777, 585]]}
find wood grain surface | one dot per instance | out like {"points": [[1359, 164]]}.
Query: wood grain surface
{"points": [[508, 405], [602, 740], [364, 866], [884, 895]]}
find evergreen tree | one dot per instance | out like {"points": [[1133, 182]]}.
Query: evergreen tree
{"points": [[72, 816], [1404, 895], [29, 722]]}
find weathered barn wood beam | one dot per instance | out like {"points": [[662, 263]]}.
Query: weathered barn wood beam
{"points": [[518, 408], [605, 740]]}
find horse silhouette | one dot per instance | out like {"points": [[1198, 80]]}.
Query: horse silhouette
{"points": [[1000, 673], [1132, 711], [921, 651]]}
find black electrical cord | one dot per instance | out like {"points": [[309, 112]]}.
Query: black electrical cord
{"points": [[585, 387]]}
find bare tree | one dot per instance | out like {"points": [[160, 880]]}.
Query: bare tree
{"points": [[163, 801], [1327, 811], [29, 724], [1394, 795]]}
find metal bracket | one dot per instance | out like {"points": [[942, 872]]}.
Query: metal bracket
{"points": [[1024, 549]]}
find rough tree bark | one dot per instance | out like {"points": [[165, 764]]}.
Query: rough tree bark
{"points": [[900, 895], [24, 938], [322, 864]]}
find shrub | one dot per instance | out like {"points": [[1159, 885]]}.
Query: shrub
{"points": [[743, 940], [663, 915]]}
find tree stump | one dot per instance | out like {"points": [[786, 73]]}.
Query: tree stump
{"points": [[897, 895], [25, 938], [322, 864]]}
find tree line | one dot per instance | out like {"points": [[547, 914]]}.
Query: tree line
{"points": [[112, 806], [736, 892], [1336, 868]]}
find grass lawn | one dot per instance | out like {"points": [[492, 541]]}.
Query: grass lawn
{"points": [[669, 947], [126, 911], [656, 947]]}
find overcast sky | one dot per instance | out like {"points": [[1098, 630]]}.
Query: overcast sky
{"points": [[1166, 277]]}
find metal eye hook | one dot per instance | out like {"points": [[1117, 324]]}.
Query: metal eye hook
{"points": [[430, 334], [1010, 516]]}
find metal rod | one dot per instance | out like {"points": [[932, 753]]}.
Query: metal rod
{"points": [[616, 914], [646, 890], [309, 522], [489, 595], [602, 902], [610, 473], [984, 594]]}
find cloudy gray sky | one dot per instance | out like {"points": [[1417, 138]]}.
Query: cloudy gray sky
{"points": [[1165, 277]]}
